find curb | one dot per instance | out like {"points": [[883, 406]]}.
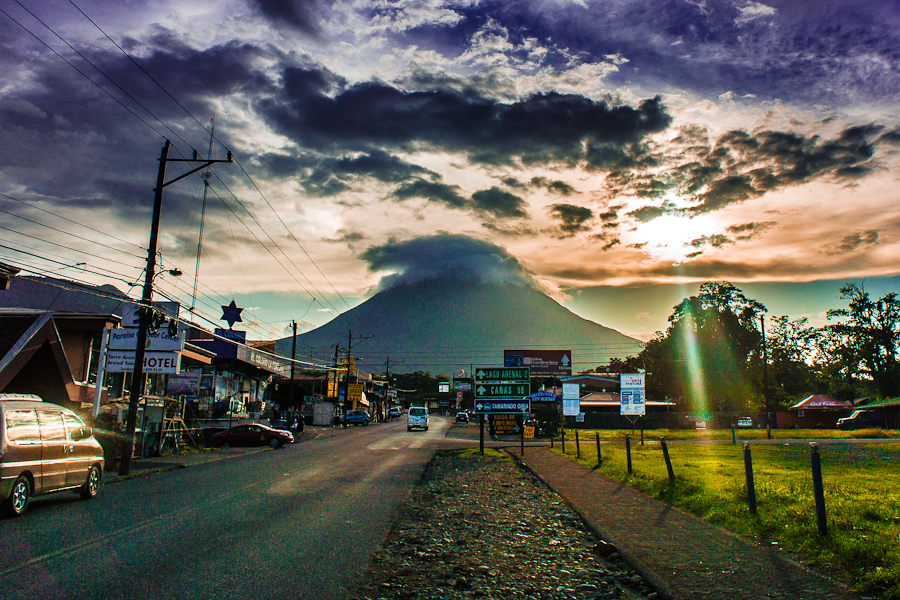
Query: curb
{"points": [[649, 576]]}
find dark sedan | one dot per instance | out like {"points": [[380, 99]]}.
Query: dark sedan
{"points": [[253, 434], [355, 417]]}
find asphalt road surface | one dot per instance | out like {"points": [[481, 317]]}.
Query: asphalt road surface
{"points": [[298, 522]]}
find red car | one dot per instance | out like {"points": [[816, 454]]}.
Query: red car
{"points": [[253, 434]]}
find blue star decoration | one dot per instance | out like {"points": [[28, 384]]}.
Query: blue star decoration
{"points": [[231, 314]]}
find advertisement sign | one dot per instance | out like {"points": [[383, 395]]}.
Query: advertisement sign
{"points": [[504, 424], [443, 387], [122, 361], [571, 399], [543, 363], [126, 339], [631, 392], [184, 384]]}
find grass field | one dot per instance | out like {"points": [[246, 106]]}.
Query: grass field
{"points": [[861, 482]]}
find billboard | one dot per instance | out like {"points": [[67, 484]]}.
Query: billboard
{"points": [[543, 363], [631, 392]]}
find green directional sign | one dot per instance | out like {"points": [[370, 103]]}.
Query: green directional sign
{"points": [[502, 390], [503, 374]]}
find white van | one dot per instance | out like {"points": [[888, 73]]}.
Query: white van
{"points": [[44, 448], [417, 417]]}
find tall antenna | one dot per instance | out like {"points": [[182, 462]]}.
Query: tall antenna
{"points": [[206, 175]]}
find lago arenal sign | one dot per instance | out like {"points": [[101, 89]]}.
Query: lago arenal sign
{"points": [[506, 374]]}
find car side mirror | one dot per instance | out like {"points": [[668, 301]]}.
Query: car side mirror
{"points": [[82, 433]]}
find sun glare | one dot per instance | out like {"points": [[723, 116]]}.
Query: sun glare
{"points": [[673, 237]]}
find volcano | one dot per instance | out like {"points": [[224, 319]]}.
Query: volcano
{"points": [[444, 324]]}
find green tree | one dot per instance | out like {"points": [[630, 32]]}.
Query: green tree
{"points": [[869, 337], [792, 347], [706, 354]]}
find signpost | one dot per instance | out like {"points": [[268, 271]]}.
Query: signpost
{"points": [[632, 398], [571, 399], [501, 391]]}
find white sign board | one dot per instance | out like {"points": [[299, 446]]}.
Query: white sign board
{"points": [[631, 392], [571, 399], [122, 361], [126, 339]]}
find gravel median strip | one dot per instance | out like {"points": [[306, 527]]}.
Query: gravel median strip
{"points": [[483, 527]]}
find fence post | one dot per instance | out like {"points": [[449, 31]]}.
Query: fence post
{"points": [[733, 436], [577, 445], [552, 436], [599, 456], [628, 452], [818, 489], [751, 488], [562, 437], [665, 449]]}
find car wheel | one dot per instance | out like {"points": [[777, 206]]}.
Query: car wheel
{"points": [[226, 444], [275, 443], [18, 500], [91, 484], [365, 423]]}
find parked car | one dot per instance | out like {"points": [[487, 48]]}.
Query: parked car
{"points": [[861, 419], [417, 418], [251, 434], [394, 412], [462, 417], [44, 448], [355, 417], [745, 422]]}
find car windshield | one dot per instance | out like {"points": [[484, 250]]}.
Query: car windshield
{"points": [[417, 412]]}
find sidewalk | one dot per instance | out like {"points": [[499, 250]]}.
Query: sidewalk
{"points": [[683, 556]]}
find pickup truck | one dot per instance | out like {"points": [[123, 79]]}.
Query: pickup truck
{"points": [[861, 419]]}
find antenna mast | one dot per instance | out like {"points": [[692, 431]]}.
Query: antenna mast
{"points": [[206, 175]]}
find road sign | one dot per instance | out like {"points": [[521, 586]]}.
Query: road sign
{"points": [[502, 390], [500, 407], [122, 361], [503, 374]]}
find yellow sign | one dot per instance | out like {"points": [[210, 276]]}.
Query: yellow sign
{"points": [[354, 392], [349, 365], [529, 432]]}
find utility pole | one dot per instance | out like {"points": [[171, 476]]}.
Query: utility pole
{"points": [[293, 356], [137, 378], [762, 322], [349, 358]]}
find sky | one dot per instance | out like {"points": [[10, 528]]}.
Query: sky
{"points": [[615, 154]]}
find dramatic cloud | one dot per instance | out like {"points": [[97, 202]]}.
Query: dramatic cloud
{"points": [[444, 255], [499, 203], [543, 127], [574, 219]]}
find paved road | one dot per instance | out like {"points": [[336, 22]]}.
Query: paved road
{"points": [[299, 522]]}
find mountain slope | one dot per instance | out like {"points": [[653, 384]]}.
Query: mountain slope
{"points": [[444, 324]]}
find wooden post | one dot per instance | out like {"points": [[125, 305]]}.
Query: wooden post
{"points": [[599, 456], [818, 488], [665, 450], [628, 451], [751, 489], [563, 440], [577, 445]]}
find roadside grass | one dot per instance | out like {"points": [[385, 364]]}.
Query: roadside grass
{"points": [[739, 434], [861, 482]]}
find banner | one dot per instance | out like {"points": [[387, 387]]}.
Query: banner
{"points": [[631, 392]]}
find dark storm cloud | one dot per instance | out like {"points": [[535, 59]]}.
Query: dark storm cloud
{"points": [[332, 176], [573, 219], [432, 191], [299, 14], [549, 127], [741, 165], [556, 187], [498, 203], [716, 241], [747, 231], [444, 255], [856, 240], [834, 52]]}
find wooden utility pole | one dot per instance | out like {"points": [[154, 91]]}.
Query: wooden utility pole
{"points": [[137, 378]]}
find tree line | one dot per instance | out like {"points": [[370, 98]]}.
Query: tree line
{"points": [[718, 354]]}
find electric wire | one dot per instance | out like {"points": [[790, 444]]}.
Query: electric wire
{"points": [[103, 233], [62, 231]]}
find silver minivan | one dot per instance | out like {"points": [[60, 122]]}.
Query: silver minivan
{"points": [[44, 448], [417, 418]]}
